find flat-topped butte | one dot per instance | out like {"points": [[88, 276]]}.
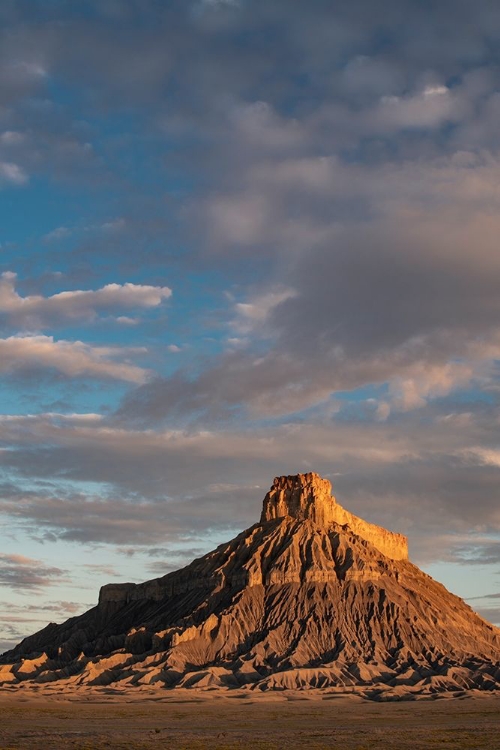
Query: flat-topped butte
{"points": [[310, 597]]}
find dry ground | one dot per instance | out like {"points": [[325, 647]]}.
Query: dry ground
{"points": [[210, 720]]}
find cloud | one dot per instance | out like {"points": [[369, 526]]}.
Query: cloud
{"points": [[62, 608], [253, 314], [12, 174], [31, 354], [257, 124], [490, 614], [485, 456], [384, 287], [417, 481], [114, 521], [485, 596], [20, 572], [17, 613], [22, 69], [429, 108], [69, 307], [308, 42], [11, 138], [487, 553], [279, 383], [107, 227], [55, 234]]}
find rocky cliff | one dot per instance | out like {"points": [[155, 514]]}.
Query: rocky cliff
{"points": [[309, 496], [311, 597]]}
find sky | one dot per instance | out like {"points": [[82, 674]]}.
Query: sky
{"points": [[240, 239]]}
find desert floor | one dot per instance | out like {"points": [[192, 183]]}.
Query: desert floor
{"points": [[211, 720]]}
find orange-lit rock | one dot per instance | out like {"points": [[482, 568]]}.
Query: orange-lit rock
{"points": [[309, 496]]}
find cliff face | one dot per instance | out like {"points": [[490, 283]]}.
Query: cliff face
{"points": [[303, 599], [309, 496]]}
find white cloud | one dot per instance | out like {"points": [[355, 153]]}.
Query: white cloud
{"points": [[126, 321], [12, 174], [71, 358], [254, 313], [430, 381], [428, 108], [36, 312]]}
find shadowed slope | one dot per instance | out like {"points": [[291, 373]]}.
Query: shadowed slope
{"points": [[298, 600]]}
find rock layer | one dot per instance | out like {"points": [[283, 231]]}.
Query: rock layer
{"points": [[300, 600]]}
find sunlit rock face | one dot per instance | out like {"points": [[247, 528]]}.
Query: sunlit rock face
{"points": [[311, 597], [309, 496], [302, 496]]}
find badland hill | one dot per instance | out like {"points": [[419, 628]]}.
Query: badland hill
{"points": [[311, 596]]}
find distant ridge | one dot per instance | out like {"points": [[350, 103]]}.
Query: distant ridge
{"points": [[311, 597]]}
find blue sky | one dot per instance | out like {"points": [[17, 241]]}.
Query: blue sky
{"points": [[239, 239]]}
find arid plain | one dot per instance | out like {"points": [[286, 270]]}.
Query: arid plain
{"points": [[204, 719]]}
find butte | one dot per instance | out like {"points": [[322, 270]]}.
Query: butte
{"points": [[310, 597]]}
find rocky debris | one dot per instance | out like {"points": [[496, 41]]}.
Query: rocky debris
{"points": [[311, 597]]}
